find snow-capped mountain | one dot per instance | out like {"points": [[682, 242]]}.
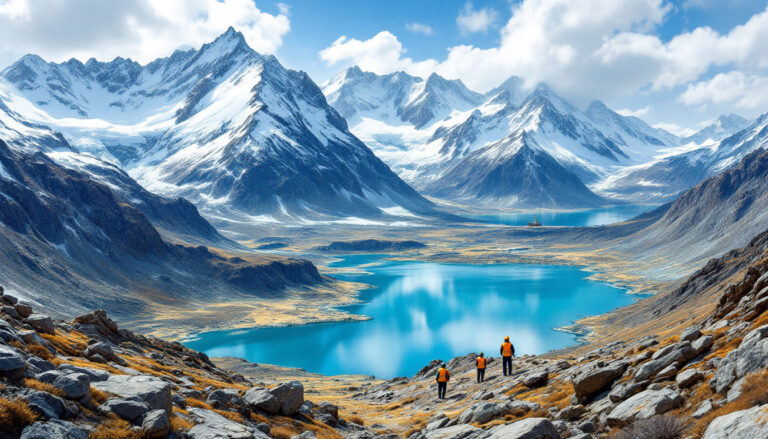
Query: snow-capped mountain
{"points": [[514, 171], [230, 129], [722, 127], [589, 144]]}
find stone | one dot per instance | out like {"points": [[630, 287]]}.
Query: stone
{"points": [[93, 374], [536, 379], [531, 428], [571, 413], [10, 311], [588, 427], [151, 390], [12, 363], [328, 408], [690, 334], [644, 405], [24, 309], [703, 409], [290, 395], [127, 409], [98, 318], [678, 354], [53, 429], [481, 412], [48, 405], [625, 390], [667, 373], [10, 300], [258, 398], [439, 421], [102, 349], [225, 398], [750, 356], [744, 424], [211, 425], [461, 431], [308, 435], [593, 381], [41, 323], [155, 424], [702, 344], [687, 378], [75, 385]]}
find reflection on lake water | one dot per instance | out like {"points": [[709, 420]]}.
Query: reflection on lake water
{"points": [[422, 311], [588, 217]]}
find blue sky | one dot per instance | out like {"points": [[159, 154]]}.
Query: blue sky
{"points": [[676, 63]]}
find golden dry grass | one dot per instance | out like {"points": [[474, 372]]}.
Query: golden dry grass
{"points": [[97, 396], [114, 428], [179, 424], [44, 387], [754, 392], [194, 402], [40, 351], [15, 414]]}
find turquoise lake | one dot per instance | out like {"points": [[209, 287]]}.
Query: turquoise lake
{"points": [[588, 217], [422, 311]]}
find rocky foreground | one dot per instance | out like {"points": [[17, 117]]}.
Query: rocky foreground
{"points": [[89, 379]]}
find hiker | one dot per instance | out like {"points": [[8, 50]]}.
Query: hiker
{"points": [[442, 380], [480, 363], [507, 351]]}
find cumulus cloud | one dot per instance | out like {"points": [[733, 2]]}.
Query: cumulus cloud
{"points": [[472, 21], [733, 88], [585, 50], [141, 29], [420, 28]]}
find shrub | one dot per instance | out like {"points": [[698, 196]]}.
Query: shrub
{"points": [[15, 414], [657, 427]]}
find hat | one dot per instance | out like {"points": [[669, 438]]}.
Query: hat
{"points": [[506, 338], [443, 365]]}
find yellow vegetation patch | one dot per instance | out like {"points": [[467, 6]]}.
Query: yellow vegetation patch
{"points": [[179, 424], [15, 414], [44, 387], [194, 402], [114, 428]]}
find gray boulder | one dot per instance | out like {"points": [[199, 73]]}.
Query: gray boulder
{"points": [[47, 405], [461, 431], [644, 405], [703, 409], [290, 395], [211, 425], [24, 309], [54, 429], [571, 413], [703, 343], [12, 363], [625, 390], [744, 424], [41, 323], [75, 385], [531, 428], [11, 311], [482, 412], [258, 398], [687, 378], [155, 424], [750, 356], [102, 349], [127, 409], [536, 379], [93, 374], [677, 354], [153, 391], [690, 334], [594, 380]]}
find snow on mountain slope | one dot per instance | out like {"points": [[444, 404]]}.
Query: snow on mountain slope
{"points": [[515, 171], [223, 126], [722, 127]]}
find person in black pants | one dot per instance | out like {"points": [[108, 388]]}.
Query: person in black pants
{"points": [[480, 362], [507, 351], [442, 378]]}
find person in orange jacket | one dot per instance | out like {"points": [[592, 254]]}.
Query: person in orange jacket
{"points": [[442, 378], [507, 351], [480, 362]]}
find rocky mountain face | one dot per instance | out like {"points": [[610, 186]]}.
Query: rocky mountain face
{"points": [[592, 144], [514, 171], [725, 125], [721, 213], [68, 239], [223, 126]]}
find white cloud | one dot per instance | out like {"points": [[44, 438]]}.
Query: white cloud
{"points": [[472, 21], [284, 8], [636, 113], [588, 49], [675, 129], [142, 29], [733, 88], [420, 28]]}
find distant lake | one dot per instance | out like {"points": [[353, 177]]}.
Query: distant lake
{"points": [[422, 311], [588, 217]]}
